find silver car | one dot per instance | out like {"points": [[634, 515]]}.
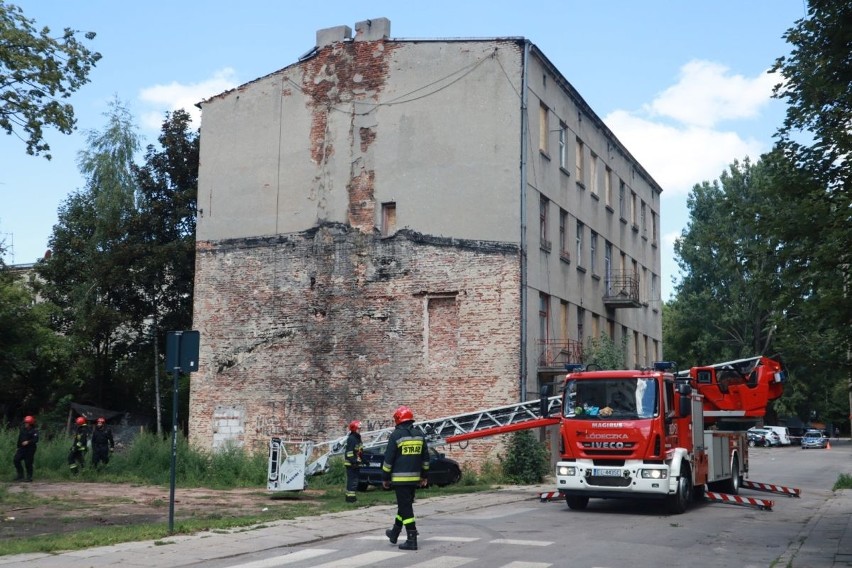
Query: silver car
{"points": [[814, 439]]}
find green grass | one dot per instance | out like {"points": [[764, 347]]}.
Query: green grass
{"points": [[844, 481], [148, 462]]}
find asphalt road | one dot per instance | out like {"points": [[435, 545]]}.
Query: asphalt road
{"points": [[608, 534]]}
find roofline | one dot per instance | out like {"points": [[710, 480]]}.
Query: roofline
{"points": [[587, 109]]}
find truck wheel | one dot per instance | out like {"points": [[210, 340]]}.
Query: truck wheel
{"points": [[732, 485], [679, 501], [576, 503]]}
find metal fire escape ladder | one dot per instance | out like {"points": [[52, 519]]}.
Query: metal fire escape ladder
{"points": [[288, 469]]}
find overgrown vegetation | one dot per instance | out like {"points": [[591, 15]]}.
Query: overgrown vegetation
{"points": [[527, 460], [844, 481], [147, 462]]}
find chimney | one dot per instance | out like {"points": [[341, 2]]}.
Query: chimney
{"points": [[372, 30], [336, 34]]}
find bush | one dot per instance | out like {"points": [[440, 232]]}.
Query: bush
{"points": [[528, 460]]}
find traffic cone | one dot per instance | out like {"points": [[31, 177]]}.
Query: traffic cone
{"points": [[828, 445]]}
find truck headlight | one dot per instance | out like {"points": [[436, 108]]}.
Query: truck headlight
{"points": [[653, 474], [566, 470]]}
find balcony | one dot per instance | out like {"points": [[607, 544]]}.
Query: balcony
{"points": [[622, 290], [554, 354]]}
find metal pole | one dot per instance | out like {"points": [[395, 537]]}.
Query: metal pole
{"points": [[174, 440]]}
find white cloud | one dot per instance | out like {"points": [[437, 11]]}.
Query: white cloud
{"points": [[678, 157], [707, 93], [675, 136], [162, 98]]}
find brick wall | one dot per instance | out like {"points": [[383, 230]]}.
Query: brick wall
{"points": [[302, 333]]}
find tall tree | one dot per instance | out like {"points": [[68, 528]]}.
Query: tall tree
{"points": [[89, 273], [37, 73], [724, 306], [31, 354], [813, 161], [165, 234]]}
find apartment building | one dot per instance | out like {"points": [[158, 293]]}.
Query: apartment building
{"points": [[442, 223]]}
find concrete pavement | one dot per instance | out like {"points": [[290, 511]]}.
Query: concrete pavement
{"points": [[824, 542]]}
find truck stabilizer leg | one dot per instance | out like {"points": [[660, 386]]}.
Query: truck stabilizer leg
{"points": [[769, 488], [763, 504], [548, 496]]}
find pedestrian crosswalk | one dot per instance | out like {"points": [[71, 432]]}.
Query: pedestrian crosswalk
{"points": [[338, 558]]}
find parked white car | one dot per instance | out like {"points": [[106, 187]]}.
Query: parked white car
{"points": [[783, 434], [772, 437]]}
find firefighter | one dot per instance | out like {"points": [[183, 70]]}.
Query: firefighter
{"points": [[102, 443], [405, 467], [78, 446], [27, 443], [353, 456]]}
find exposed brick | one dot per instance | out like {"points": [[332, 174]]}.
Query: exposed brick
{"points": [[301, 333]]}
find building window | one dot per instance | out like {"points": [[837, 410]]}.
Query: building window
{"points": [[543, 316], [610, 330], [388, 219], [636, 358], [542, 128], [563, 235], [543, 207], [633, 208], [642, 221], [593, 175], [652, 288], [442, 325], [563, 320], [580, 164], [608, 267], [653, 227], [593, 251], [579, 252], [621, 200], [563, 143], [581, 315], [608, 187], [596, 323]]}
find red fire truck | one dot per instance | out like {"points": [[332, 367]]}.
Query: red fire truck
{"points": [[652, 433], [659, 434]]}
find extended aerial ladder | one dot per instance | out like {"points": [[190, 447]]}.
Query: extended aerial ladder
{"points": [[291, 462], [733, 390]]}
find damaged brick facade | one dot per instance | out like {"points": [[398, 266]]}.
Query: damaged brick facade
{"points": [[304, 332]]}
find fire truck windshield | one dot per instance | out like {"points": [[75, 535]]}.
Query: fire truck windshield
{"points": [[627, 398]]}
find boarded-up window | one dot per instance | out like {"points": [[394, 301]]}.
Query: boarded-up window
{"points": [[442, 315], [388, 219]]}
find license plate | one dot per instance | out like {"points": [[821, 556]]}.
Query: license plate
{"points": [[605, 472]]}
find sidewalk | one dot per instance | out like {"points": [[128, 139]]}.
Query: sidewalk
{"points": [[824, 542], [195, 549], [827, 538]]}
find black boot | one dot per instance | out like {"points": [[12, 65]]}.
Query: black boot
{"points": [[393, 533], [410, 541], [351, 499]]}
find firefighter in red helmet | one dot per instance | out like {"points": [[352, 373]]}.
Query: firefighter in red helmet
{"points": [[79, 446], [405, 467], [103, 443], [25, 454], [354, 453]]}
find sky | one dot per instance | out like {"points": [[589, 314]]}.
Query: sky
{"points": [[683, 84]]}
